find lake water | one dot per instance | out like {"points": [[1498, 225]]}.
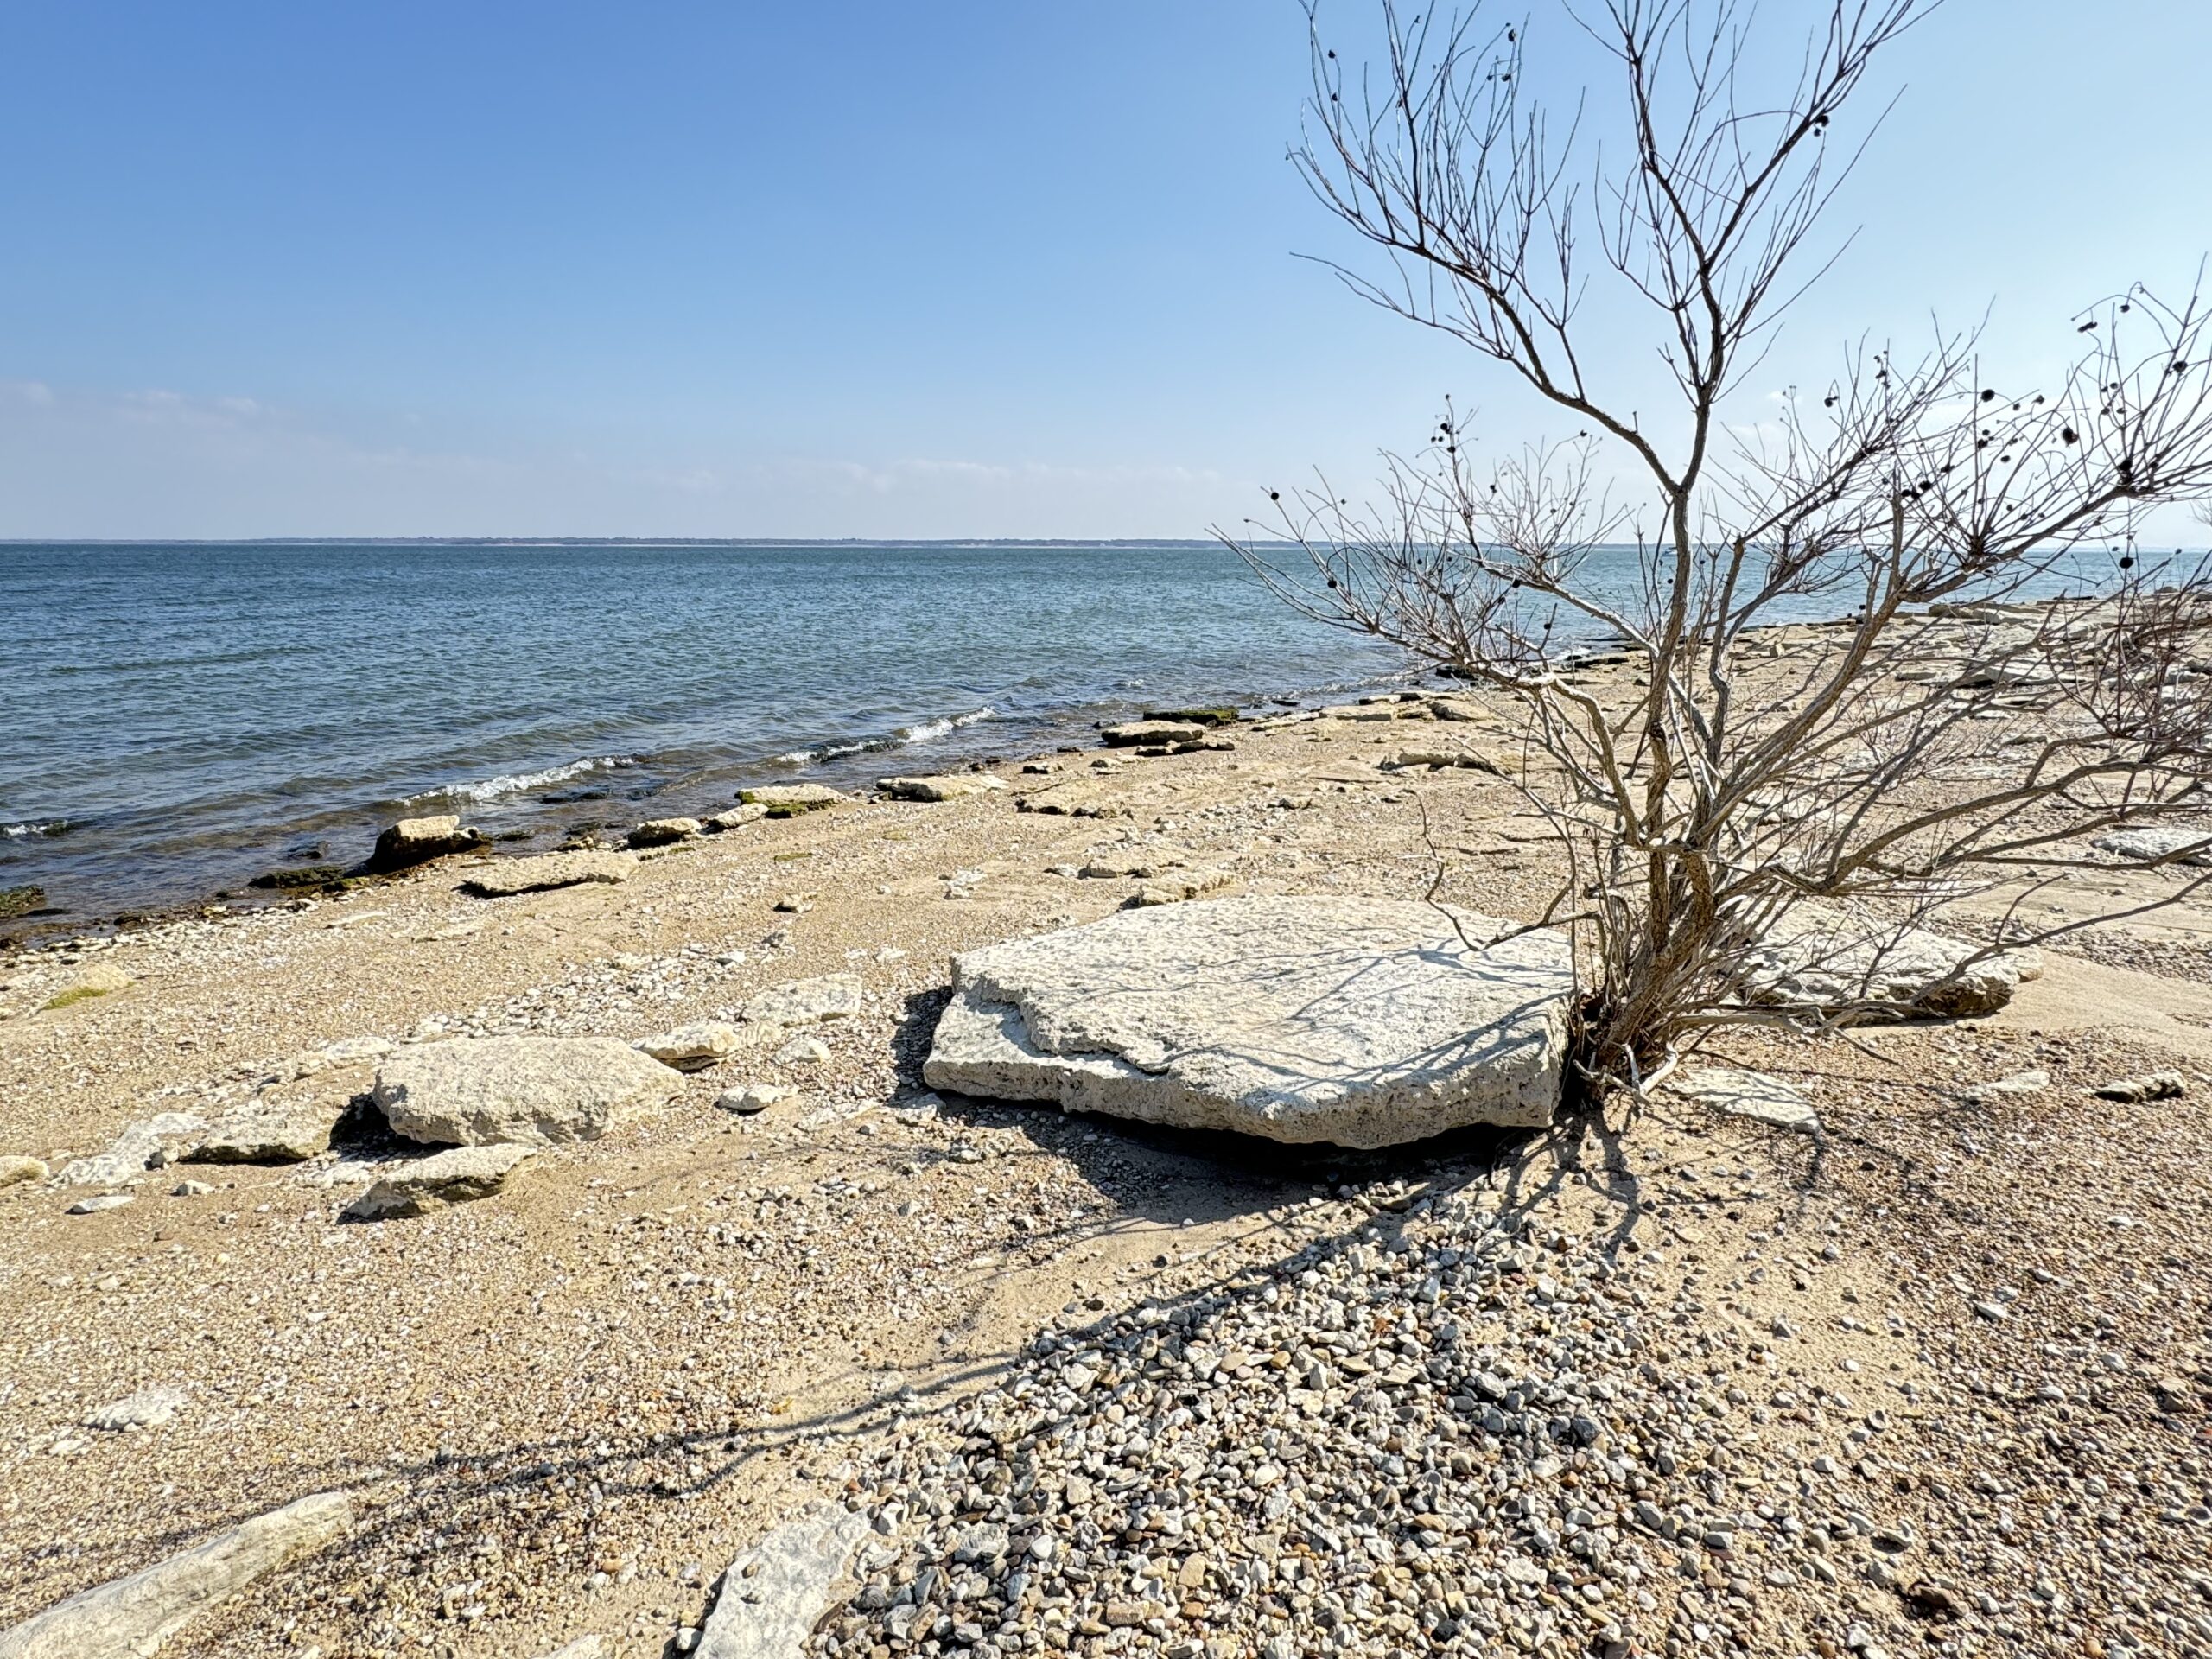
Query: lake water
{"points": [[177, 719]]}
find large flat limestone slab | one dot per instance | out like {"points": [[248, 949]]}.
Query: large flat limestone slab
{"points": [[132, 1617], [1827, 959], [1362, 1022], [538, 1091]]}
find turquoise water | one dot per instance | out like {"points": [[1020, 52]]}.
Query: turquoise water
{"points": [[177, 719]]}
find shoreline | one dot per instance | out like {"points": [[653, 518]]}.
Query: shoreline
{"points": [[565, 1407]]}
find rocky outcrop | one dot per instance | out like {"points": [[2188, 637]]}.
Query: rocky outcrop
{"points": [[774, 1594], [1827, 960], [418, 840], [1365, 1023], [532, 1091], [460, 1176], [133, 1617], [942, 786], [507, 876], [1151, 734]]}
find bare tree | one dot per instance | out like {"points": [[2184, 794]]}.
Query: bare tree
{"points": [[1945, 738]]}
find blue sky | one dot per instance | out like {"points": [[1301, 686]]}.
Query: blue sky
{"points": [[868, 268]]}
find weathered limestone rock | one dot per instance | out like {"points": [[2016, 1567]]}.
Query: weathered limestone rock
{"points": [[507, 876], [460, 1176], [148, 1408], [1408, 758], [15, 1168], [1819, 958], [287, 1137], [536, 1091], [1176, 888], [944, 786], [93, 1206], [1750, 1094], [806, 1002], [774, 1594], [663, 832], [803, 1050], [417, 841], [132, 1617], [101, 979], [693, 1047], [1219, 715], [2162, 841], [1077, 799], [736, 818], [1365, 1023], [1143, 863], [1387, 710], [753, 1097], [1151, 734], [145, 1145], [789, 800], [2151, 1086]]}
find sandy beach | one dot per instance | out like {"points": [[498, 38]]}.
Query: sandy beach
{"points": [[1934, 1380]]}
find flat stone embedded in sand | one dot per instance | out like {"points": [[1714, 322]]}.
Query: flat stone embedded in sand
{"points": [[1149, 733], [2172, 843], [1825, 959], [507, 876], [459, 1176], [806, 1002], [945, 787], [1751, 1095], [136, 1615], [774, 1593], [1364, 1022], [535, 1091]]}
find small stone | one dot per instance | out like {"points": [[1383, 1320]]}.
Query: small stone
{"points": [[93, 1206], [802, 1051], [796, 904], [190, 1190], [14, 1169], [753, 1097], [2151, 1086], [736, 818], [806, 1002], [693, 1047], [1751, 1095]]}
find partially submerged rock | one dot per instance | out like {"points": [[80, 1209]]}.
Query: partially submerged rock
{"points": [[1365, 1023], [941, 786], [693, 1047], [774, 1594], [418, 840], [535, 1091], [135, 1615], [789, 800], [1827, 960], [507, 876], [460, 1176], [806, 1002], [2165, 843], [1750, 1094], [663, 832], [1218, 714]]}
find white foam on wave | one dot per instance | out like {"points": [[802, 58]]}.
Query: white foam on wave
{"points": [[922, 734], [518, 782], [945, 727], [23, 831]]}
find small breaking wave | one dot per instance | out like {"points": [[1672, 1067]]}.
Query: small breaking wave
{"points": [[521, 783], [25, 831], [923, 733]]}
